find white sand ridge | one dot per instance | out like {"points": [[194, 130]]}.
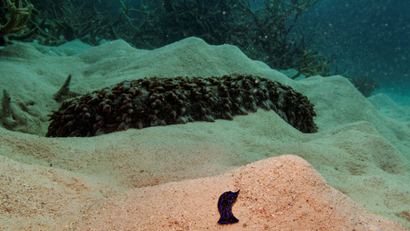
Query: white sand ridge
{"points": [[357, 150]]}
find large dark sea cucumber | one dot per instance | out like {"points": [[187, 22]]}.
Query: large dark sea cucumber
{"points": [[163, 101]]}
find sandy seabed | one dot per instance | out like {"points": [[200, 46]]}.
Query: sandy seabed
{"points": [[170, 178]]}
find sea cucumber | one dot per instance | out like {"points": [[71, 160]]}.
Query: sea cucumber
{"points": [[163, 101]]}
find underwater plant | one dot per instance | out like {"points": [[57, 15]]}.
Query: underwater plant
{"points": [[15, 14], [55, 22], [365, 85], [314, 63], [261, 29], [264, 30]]}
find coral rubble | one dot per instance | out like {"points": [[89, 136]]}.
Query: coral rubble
{"points": [[6, 115], [64, 92], [154, 102]]}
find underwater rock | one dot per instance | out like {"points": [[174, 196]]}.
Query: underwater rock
{"points": [[163, 101]]}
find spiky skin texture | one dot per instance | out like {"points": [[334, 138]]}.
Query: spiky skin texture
{"points": [[155, 102]]}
